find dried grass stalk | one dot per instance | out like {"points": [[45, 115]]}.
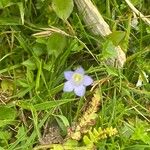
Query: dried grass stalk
{"points": [[137, 12], [97, 25]]}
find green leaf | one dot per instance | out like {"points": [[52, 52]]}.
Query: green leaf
{"points": [[24, 104], [111, 71], [7, 85], [86, 140], [63, 123], [6, 122], [140, 133], [137, 147], [30, 63], [51, 104], [21, 9], [39, 49], [5, 135], [92, 136], [7, 113], [21, 133], [41, 40], [63, 119], [58, 147], [10, 21], [56, 43], [6, 3], [116, 37], [42, 106], [109, 50], [136, 2], [23, 91], [62, 8], [71, 143]]}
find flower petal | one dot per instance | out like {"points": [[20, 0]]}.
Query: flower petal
{"points": [[80, 90], [68, 75], [87, 80], [68, 87], [79, 70]]}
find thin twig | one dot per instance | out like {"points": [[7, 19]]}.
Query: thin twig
{"points": [[147, 21]]}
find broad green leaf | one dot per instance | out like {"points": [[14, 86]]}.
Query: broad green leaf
{"points": [[63, 123], [7, 113], [109, 50], [64, 120], [39, 49], [116, 37], [29, 63], [140, 133], [56, 43], [63, 8]]}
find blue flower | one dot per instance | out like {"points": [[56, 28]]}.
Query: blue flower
{"points": [[77, 81]]}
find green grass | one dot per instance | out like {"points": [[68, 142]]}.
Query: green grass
{"points": [[32, 101]]}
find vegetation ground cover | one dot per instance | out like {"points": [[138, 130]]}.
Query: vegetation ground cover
{"points": [[40, 40]]}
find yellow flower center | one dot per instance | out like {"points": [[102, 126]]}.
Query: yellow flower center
{"points": [[77, 78]]}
